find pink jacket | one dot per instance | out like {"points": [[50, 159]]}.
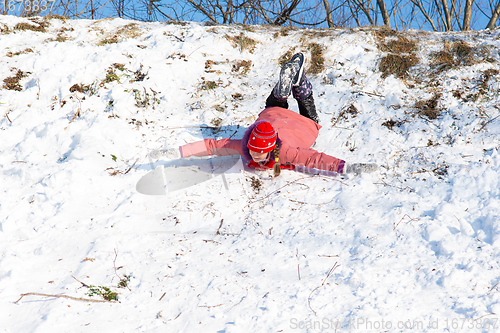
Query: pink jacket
{"points": [[296, 134]]}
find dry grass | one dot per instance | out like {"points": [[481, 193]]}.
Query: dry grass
{"points": [[242, 42], [429, 108], [55, 17], [247, 27], [380, 32], [127, 31], [485, 77], [39, 27], [12, 83], [482, 85], [237, 97], [283, 31], [390, 124], [111, 75], [242, 66], [25, 51], [81, 88], [464, 54], [317, 61], [255, 183], [398, 65], [216, 122], [398, 45], [348, 112], [287, 56], [459, 53], [109, 40], [400, 55], [130, 30], [208, 85], [306, 35], [61, 37]]}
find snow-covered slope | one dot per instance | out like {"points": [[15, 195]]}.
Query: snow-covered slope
{"points": [[412, 247]]}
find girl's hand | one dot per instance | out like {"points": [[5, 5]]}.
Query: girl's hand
{"points": [[169, 154], [360, 167]]}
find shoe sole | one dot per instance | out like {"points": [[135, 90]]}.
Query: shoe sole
{"points": [[286, 80], [301, 67]]}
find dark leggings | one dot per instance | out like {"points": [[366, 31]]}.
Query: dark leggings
{"points": [[307, 107]]}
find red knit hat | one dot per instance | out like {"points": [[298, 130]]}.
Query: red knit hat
{"points": [[263, 138]]}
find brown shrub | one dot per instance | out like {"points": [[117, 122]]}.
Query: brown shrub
{"points": [[12, 83], [38, 26], [242, 42], [458, 53], [317, 61], [429, 108]]}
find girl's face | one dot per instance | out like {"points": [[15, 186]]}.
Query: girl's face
{"points": [[258, 157]]}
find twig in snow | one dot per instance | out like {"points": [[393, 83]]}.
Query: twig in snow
{"points": [[335, 266], [406, 215], [316, 204], [210, 241], [243, 298], [493, 288], [486, 123], [212, 306], [407, 188], [298, 270], [368, 93], [64, 296], [83, 284], [290, 183], [486, 315], [123, 280], [172, 35], [220, 226], [114, 263], [7, 116], [133, 165], [77, 114], [338, 118]]}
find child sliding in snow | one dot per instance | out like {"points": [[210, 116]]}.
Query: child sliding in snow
{"points": [[279, 138]]}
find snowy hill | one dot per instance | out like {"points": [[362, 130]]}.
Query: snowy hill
{"points": [[412, 247]]}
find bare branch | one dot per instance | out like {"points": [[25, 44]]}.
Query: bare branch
{"points": [[200, 8], [494, 17], [467, 15], [385, 14], [63, 296]]}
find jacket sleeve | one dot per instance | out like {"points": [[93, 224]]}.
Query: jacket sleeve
{"points": [[208, 147], [310, 158]]}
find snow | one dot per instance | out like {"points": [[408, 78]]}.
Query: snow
{"points": [[411, 247]]}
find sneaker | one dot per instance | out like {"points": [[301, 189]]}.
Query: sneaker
{"points": [[290, 75]]}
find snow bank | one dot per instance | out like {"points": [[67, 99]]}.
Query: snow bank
{"points": [[414, 246]]}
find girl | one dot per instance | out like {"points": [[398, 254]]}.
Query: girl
{"points": [[279, 138]]}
